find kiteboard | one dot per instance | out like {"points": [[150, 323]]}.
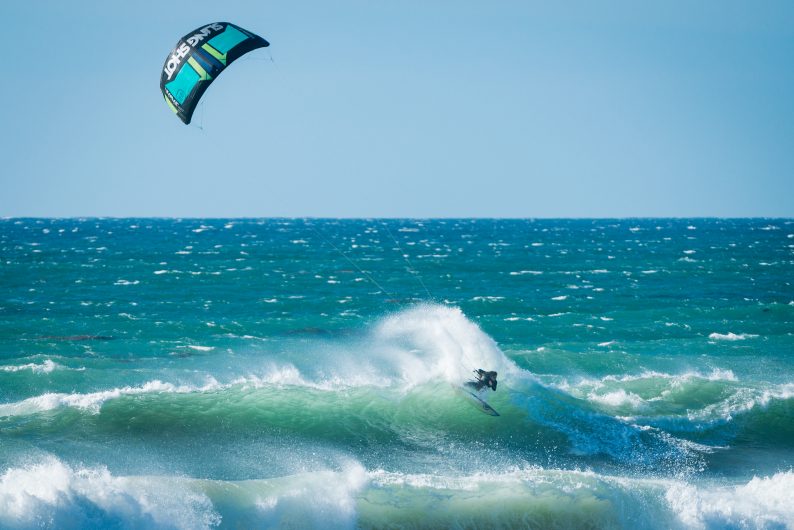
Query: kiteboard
{"points": [[478, 402]]}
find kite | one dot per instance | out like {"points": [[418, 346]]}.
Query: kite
{"points": [[198, 58]]}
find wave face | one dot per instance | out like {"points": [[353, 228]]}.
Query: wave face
{"points": [[244, 373]]}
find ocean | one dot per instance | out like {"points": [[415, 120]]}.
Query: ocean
{"points": [[303, 373]]}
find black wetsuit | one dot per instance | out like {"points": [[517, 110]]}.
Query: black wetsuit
{"points": [[484, 379]]}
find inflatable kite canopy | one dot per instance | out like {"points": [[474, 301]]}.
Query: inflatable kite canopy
{"points": [[198, 58]]}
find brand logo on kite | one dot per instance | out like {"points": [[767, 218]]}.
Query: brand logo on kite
{"points": [[181, 51]]}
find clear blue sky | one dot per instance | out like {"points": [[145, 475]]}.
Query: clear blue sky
{"points": [[404, 109]]}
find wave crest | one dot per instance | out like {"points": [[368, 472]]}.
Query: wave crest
{"points": [[54, 494]]}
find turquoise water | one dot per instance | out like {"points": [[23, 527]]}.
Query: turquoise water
{"points": [[301, 373]]}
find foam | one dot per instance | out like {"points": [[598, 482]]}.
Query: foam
{"points": [[744, 400], [471, 482], [488, 298], [716, 374], [44, 368], [92, 402], [766, 502], [602, 390], [286, 375], [731, 336], [53, 494], [430, 342], [320, 499], [618, 398], [740, 400]]}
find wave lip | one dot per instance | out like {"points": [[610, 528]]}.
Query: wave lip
{"points": [[53, 494], [640, 391], [430, 342], [689, 400], [422, 344], [744, 401], [320, 499], [766, 502], [92, 402]]}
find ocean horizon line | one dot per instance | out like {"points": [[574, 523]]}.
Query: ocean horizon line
{"points": [[398, 218]]}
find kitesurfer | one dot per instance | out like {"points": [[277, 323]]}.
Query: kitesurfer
{"points": [[484, 380]]}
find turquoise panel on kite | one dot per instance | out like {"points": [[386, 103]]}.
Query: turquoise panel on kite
{"points": [[227, 40], [184, 83], [198, 58]]}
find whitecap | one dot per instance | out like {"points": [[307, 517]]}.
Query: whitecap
{"points": [[44, 368], [488, 298], [200, 348], [731, 336]]}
